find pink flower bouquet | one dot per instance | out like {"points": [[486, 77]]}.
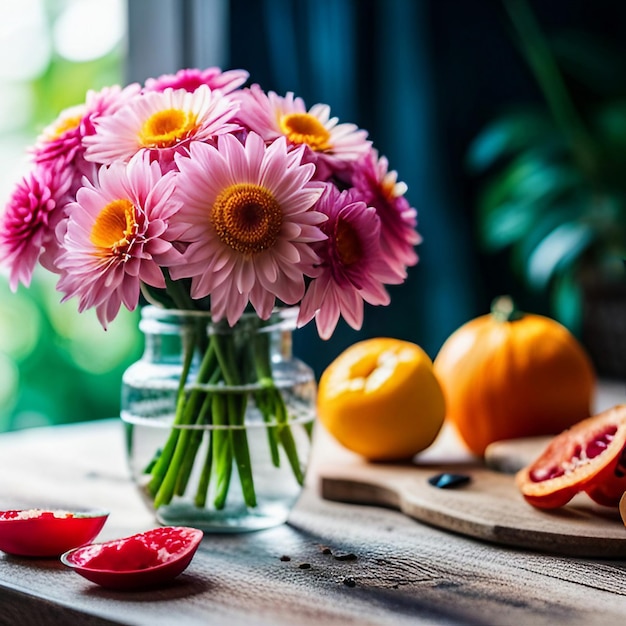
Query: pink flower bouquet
{"points": [[198, 193]]}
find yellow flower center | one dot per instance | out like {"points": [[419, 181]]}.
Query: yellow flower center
{"points": [[247, 218], [115, 226], [348, 243], [167, 128], [305, 128], [64, 125]]}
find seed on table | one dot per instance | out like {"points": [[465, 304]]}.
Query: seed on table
{"points": [[446, 480]]}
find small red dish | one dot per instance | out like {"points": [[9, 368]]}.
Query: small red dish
{"points": [[47, 533], [143, 560]]}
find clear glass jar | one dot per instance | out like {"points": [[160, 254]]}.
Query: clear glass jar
{"points": [[218, 420]]}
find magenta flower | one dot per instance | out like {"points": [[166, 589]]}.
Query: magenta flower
{"points": [[161, 123], [60, 145], [352, 270], [27, 226], [191, 79], [221, 200], [107, 101], [62, 139], [236, 193], [379, 188], [117, 237], [247, 217]]}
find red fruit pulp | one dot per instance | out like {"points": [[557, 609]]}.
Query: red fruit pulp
{"points": [[141, 560], [590, 456], [44, 533]]}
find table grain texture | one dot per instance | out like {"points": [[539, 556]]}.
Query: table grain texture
{"points": [[348, 564]]}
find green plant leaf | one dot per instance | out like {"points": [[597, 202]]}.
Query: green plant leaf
{"points": [[566, 302], [557, 251], [545, 222], [610, 122], [506, 136], [506, 224], [532, 189]]}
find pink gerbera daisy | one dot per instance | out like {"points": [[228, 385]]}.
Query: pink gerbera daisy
{"points": [[191, 79], [352, 269], [330, 143], [247, 217], [62, 138], [61, 143], [162, 123], [27, 227], [105, 102], [116, 237], [380, 188]]}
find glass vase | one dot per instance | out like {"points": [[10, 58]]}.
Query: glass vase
{"points": [[218, 419]]}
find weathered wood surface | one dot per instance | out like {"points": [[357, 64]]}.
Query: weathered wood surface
{"points": [[401, 572], [488, 507]]}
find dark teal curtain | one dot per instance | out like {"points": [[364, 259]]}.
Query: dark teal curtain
{"points": [[371, 61], [423, 77]]}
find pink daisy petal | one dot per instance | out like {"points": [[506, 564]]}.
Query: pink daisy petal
{"points": [[109, 250], [352, 269], [273, 116], [378, 187], [191, 79], [162, 123], [28, 224], [241, 205]]}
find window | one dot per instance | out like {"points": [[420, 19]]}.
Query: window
{"points": [[55, 365]]}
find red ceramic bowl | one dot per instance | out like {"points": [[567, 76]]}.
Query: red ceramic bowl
{"points": [[47, 533], [140, 561]]}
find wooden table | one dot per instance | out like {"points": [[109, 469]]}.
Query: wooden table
{"points": [[404, 572]]}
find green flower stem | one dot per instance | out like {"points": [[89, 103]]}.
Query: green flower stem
{"points": [[160, 466], [219, 396], [264, 401], [177, 291], [237, 411], [203, 417], [236, 407], [167, 467], [184, 472], [205, 476], [289, 444], [278, 414], [265, 398], [223, 453]]}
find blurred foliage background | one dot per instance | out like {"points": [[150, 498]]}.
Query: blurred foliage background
{"points": [[56, 365], [551, 184], [456, 94]]}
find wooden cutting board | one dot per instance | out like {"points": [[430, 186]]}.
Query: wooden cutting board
{"points": [[489, 507]]}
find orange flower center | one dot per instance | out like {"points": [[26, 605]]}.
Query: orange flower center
{"points": [[247, 218], [348, 243], [166, 128], [68, 121], [305, 128], [115, 226], [67, 124]]}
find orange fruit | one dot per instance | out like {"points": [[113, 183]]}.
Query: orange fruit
{"points": [[510, 374], [380, 398]]}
